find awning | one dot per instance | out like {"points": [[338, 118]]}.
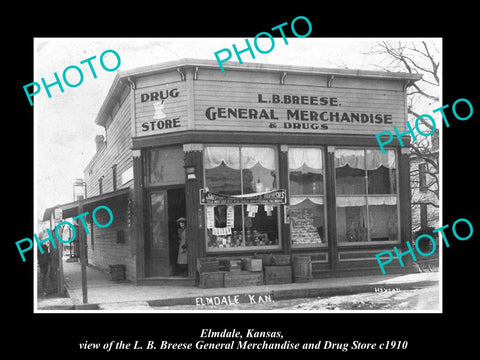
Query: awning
{"points": [[48, 212], [71, 209]]}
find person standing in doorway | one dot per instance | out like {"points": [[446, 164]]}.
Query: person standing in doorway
{"points": [[182, 247]]}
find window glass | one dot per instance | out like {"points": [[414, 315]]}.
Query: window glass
{"points": [[258, 169], [307, 209], [350, 171], [383, 222], [307, 224], [166, 166], [222, 170], [366, 193], [235, 170], [158, 225], [261, 225], [305, 171], [352, 223], [381, 172]]}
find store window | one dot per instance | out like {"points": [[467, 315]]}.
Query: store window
{"points": [[165, 166], [307, 202], [366, 193], [241, 171]]}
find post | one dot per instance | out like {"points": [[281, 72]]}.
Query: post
{"points": [[83, 260], [405, 198], [194, 211], [61, 287], [331, 206]]}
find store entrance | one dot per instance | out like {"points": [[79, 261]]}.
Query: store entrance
{"points": [[165, 207]]}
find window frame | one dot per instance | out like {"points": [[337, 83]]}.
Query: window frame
{"points": [[366, 196], [147, 166], [323, 195], [211, 250]]}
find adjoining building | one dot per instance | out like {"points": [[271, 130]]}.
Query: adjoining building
{"points": [[259, 159]]}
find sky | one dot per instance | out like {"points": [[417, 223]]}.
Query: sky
{"points": [[64, 124]]}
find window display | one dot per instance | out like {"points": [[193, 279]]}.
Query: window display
{"points": [[306, 210], [366, 193], [241, 171]]}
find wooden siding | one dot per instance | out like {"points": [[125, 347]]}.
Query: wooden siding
{"points": [[116, 150], [106, 250]]}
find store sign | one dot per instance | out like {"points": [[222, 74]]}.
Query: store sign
{"points": [[233, 106], [268, 197], [306, 105], [160, 109]]}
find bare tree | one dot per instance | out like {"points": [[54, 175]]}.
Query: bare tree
{"points": [[419, 57]]}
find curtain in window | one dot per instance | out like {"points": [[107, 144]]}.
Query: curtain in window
{"points": [[295, 200], [214, 155], [305, 160], [344, 201], [251, 156], [356, 159]]}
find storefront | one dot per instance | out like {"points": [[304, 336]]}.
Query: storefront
{"points": [[258, 159]]}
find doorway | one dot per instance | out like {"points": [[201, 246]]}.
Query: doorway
{"points": [[166, 205]]}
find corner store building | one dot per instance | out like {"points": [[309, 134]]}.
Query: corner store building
{"points": [[179, 130]]}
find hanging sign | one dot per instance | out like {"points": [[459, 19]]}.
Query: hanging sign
{"points": [[230, 216], [267, 197], [210, 217]]}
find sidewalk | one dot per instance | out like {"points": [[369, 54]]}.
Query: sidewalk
{"points": [[104, 294]]}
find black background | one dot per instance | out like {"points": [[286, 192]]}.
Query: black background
{"points": [[58, 335]]}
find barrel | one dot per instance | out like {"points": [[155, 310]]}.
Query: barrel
{"points": [[302, 268]]}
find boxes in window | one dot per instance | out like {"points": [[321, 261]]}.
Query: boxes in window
{"points": [[281, 260], [278, 274], [251, 264], [207, 265], [230, 264], [209, 280], [243, 278]]}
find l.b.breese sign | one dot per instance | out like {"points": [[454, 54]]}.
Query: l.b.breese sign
{"points": [[231, 106], [307, 119]]}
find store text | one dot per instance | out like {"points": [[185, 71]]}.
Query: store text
{"points": [[420, 252], [234, 299], [256, 45], [73, 80], [60, 226]]}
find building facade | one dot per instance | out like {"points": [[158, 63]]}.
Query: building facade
{"points": [[259, 159]]}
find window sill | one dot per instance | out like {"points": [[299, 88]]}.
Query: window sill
{"points": [[367, 243], [309, 246]]}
